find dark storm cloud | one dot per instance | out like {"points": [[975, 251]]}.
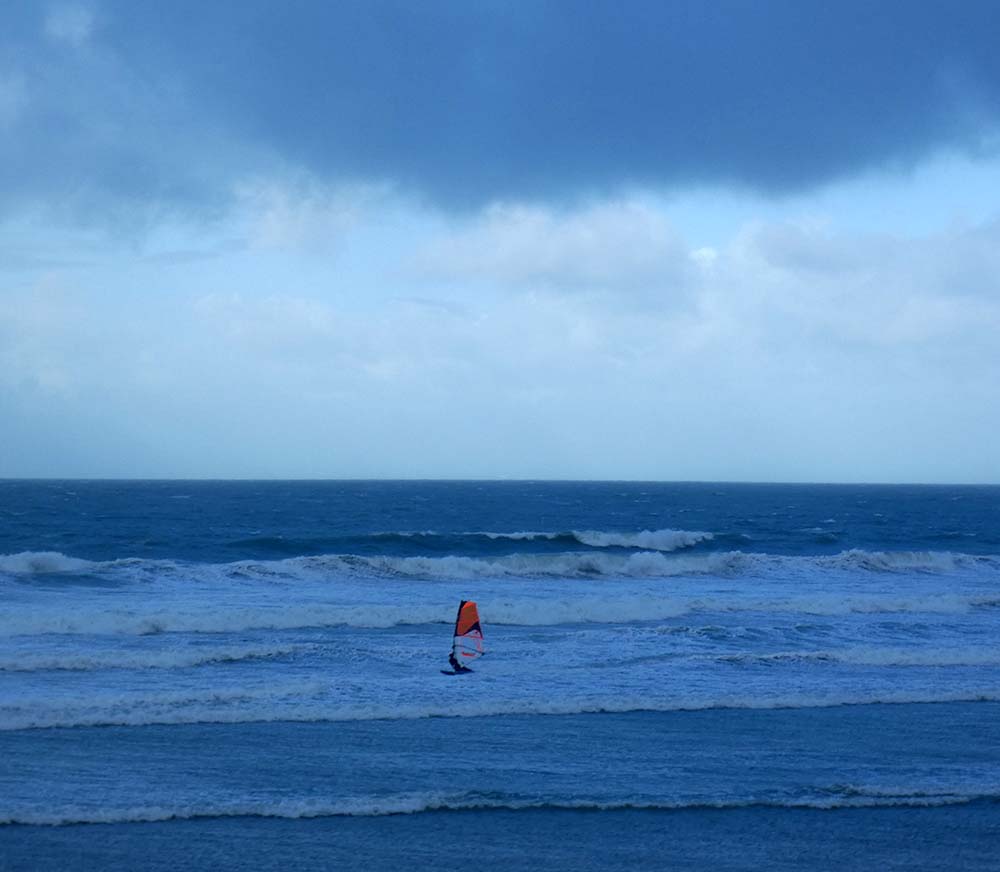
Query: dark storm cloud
{"points": [[468, 101]]}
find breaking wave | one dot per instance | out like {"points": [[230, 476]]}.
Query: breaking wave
{"points": [[204, 655], [42, 563], [888, 657], [179, 706], [645, 563], [136, 621], [301, 703], [647, 540], [422, 802], [139, 620], [131, 659], [434, 541]]}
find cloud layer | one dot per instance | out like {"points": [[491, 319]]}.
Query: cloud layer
{"points": [[469, 103], [795, 351], [549, 239]]}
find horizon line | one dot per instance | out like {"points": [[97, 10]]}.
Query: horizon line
{"points": [[493, 480]]}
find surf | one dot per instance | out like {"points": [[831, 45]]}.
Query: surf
{"points": [[438, 801], [296, 703]]}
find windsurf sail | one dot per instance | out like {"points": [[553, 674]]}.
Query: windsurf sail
{"points": [[468, 642]]}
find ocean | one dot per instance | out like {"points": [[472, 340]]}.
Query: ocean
{"points": [[235, 675]]}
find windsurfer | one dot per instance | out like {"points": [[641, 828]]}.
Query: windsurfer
{"points": [[458, 667], [467, 642]]}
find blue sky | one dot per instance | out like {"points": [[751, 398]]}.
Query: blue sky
{"points": [[687, 240]]}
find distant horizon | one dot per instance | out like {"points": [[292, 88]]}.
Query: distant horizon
{"points": [[418, 480]]}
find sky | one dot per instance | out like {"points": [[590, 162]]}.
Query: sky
{"points": [[715, 240]]}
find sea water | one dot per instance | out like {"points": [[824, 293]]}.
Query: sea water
{"points": [[247, 675]]}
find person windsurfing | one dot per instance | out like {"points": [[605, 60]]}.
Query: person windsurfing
{"points": [[467, 641]]}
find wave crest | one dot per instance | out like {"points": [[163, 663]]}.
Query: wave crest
{"points": [[42, 563], [649, 540], [567, 610], [156, 659], [301, 703], [646, 562], [421, 802]]}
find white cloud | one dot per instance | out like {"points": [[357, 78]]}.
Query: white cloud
{"points": [[874, 288], [801, 350], [615, 246], [303, 216]]}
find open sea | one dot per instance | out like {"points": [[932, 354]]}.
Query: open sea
{"points": [[246, 675]]}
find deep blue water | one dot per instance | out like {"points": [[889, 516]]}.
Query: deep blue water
{"points": [[220, 521], [246, 674]]}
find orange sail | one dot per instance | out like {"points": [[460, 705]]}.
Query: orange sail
{"points": [[468, 642]]}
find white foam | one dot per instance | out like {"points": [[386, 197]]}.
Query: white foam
{"points": [[641, 564], [209, 705], [654, 561], [137, 621], [261, 706], [421, 802], [570, 564], [652, 540], [520, 536], [42, 563], [169, 658], [905, 561], [136, 618], [871, 656]]}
